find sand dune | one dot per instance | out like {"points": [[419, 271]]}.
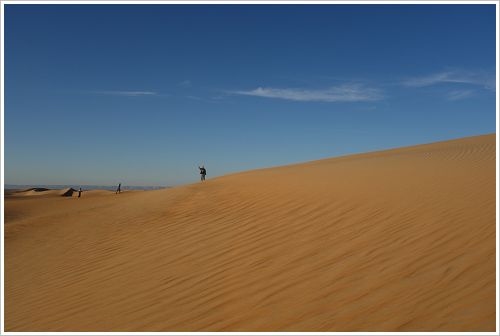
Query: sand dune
{"points": [[397, 240], [42, 192], [66, 192]]}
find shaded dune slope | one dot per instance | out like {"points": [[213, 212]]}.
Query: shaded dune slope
{"points": [[398, 240]]}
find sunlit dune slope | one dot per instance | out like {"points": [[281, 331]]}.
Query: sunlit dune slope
{"points": [[398, 240]]}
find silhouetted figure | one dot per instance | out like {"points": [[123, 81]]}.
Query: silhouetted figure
{"points": [[203, 172], [119, 189], [80, 193]]}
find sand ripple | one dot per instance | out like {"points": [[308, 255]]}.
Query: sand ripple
{"points": [[398, 240]]}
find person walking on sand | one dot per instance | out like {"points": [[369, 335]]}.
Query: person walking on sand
{"points": [[119, 189], [80, 192], [203, 172]]}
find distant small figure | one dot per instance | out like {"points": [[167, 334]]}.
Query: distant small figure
{"points": [[203, 172], [119, 189], [80, 192]]}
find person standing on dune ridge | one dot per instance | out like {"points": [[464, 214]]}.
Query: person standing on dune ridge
{"points": [[203, 172], [119, 189]]}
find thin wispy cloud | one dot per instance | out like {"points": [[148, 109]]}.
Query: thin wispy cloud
{"points": [[126, 93], [460, 94], [341, 93], [482, 79], [185, 83]]}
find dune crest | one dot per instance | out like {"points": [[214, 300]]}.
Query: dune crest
{"points": [[396, 240]]}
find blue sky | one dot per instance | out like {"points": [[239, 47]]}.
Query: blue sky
{"points": [[143, 94]]}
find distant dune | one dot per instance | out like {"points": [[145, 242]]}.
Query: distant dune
{"points": [[396, 240], [41, 192]]}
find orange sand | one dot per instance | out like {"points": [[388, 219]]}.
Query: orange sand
{"points": [[397, 240]]}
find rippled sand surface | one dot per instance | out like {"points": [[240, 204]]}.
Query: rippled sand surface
{"points": [[397, 240]]}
